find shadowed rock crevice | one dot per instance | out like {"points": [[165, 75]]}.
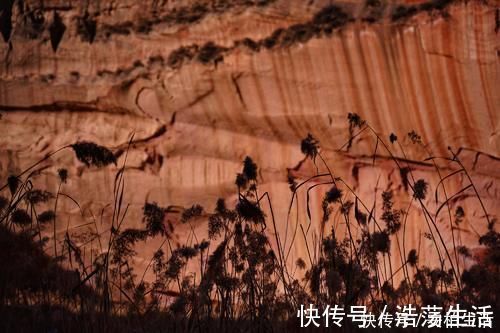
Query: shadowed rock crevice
{"points": [[6, 19]]}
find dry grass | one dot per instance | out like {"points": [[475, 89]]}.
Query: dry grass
{"points": [[243, 282]]}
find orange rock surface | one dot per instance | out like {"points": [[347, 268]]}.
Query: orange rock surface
{"points": [[436, 72]]}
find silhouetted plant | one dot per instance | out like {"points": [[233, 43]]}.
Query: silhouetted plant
{"points": [[37, 196], [250, 211], [333, 195], [154, 216], [380, 241], [192, 212], [393, 138], [63, 175], [355, 120], [13, 183], [21, 217], [92, 154], [390, 216], [414, 137], [46, 217], [420, 189], [249, 169], [246, 279], [412, 257], [310, 146]]}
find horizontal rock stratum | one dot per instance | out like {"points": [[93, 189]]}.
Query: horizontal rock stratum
{"points": [[202, 84]]}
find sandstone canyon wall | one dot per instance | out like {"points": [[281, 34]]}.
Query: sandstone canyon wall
{"points": [[202, 84]]}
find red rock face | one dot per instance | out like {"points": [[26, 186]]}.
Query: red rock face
{"points": [[203, 87]]}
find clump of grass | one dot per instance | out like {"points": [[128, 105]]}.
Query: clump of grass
{"points": [[244, 277]]}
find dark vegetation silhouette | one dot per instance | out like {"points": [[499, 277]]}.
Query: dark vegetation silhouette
{"points": [[244, 281]]}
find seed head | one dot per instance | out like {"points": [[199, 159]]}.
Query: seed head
{"points": [[37, 196], [63, 175], [250, 211], [192, 212], [414, 137], [92, 154], [153, 217], [241, 180], [412, 257], [393, 138], [355, 120], [420, 189], [300, 263], [310, 146], [249, 169], [20, 217], [13, 182], [381, 242], [333, 195], [46, 217]]}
